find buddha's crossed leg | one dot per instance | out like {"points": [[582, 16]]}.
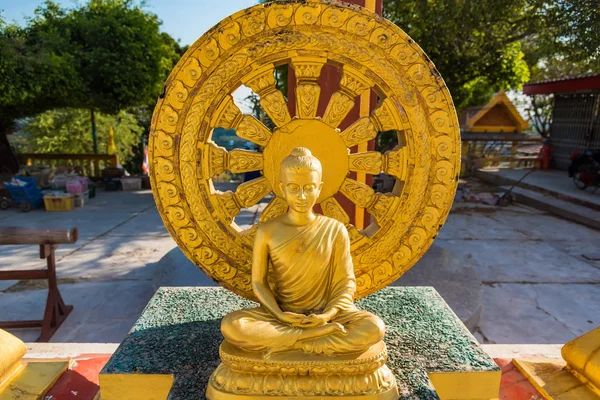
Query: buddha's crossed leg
{"points": [[257, 330]]}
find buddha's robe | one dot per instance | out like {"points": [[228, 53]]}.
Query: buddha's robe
{"points": [[312, 272]]}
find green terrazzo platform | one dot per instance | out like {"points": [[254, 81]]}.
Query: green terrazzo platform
{"points": [[178, 333]]}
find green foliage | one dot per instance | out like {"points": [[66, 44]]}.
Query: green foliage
{"points": [[68, 131], [539, 109], [36, 70], [570, 46], [119, 52], [483, 46], [475, 45], [106, 55]]}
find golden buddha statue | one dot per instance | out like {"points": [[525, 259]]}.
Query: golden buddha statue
{"points": [[303, 276]]}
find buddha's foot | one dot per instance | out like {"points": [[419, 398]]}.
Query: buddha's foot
{"points": [[311, 333], [323, 330]]}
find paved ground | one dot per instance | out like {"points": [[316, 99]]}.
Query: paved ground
{"points": [[541, 274], [553, 181], [539, 287]]}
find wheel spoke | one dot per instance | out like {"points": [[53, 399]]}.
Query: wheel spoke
{"points": [[333, 209], [357, 192], [228, 115], [275, 106], [240, 161], [369, 162], [352, 85], [395, 162], [275, 208], [339, 106], [229, 205], [308, 91], [253, 130], [361, 131], [386, 117], [215, 160], [262, 82], [382, 207], [251, 192]]}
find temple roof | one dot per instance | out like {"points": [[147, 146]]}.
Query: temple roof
{"points": [[499, 115]]}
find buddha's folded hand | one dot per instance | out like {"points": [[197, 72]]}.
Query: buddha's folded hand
{"points": [[291, 318], [314, 320]]}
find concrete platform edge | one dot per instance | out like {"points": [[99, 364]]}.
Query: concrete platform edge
{"points": [[71, 350]]}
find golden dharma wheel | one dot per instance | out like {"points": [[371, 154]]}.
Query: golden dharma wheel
{"points": [[371, 53]]}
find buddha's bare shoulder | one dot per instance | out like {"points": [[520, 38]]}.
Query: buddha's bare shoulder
{"points": [[333, 222], [266, 229]]}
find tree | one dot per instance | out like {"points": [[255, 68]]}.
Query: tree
{"points": [[120, 51], [569, 47], [107, 55], [475, 45], [36, 70], [67, 131], [540, 109]]}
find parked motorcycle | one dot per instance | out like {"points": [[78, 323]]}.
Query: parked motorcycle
{"points": [[585, 169]]}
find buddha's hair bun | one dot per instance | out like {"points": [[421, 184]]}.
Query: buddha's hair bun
{"points": [[301, 152], [299, 159]]}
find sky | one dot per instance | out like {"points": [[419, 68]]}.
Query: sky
{"points": [[185, 20]]}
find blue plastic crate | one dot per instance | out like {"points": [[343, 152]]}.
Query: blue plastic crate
{"points": [[29, 191]]}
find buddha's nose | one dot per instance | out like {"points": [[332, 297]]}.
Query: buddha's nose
{"points": [[302, 195]]}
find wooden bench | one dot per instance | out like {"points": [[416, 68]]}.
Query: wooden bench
{"points": [[48, 239]]}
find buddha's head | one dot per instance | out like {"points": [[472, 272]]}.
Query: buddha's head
{"points": [[300, 179]]}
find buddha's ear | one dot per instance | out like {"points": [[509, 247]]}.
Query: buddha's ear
{"points": [[321, 186]]}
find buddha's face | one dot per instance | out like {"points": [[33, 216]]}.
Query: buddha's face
{"points": [[301, 189]]}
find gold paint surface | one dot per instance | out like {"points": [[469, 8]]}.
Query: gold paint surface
{"points": [[553, 379], [466, 385], [135, 386], [323, 141], [12, 350], [374, 55], [307, 338], [245, 375], [577, 377], [35, 379]]}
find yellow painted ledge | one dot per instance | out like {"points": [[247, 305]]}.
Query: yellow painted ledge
{"points": [[33, 380], [473, 385], [553, 379], [135, 386], [577, 377]]}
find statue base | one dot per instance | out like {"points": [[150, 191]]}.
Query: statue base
{"points": [[242, 374], [173, 349]]}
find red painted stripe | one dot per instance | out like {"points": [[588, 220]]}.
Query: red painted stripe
{"points": [[514, 385], [566, 86], [80, 382]]}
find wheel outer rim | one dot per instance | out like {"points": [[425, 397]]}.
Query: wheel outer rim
{"points": [[364, 42]]}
